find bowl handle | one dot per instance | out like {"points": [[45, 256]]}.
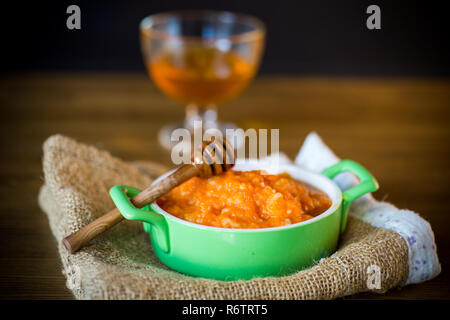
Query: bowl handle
{"points": [[367, 184], [121, 196]]}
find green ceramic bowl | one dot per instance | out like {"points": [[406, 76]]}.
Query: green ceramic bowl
{"points": [[232, 254]]}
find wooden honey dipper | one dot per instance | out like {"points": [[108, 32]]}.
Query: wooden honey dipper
{"points": [[216, 157]]}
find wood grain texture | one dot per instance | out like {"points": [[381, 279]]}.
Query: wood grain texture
{"points": [[398, 128], [82, 237]]}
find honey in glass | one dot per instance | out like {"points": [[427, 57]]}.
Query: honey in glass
{"points": [[201, 76]]}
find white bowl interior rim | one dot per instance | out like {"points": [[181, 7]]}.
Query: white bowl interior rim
{"points": [[315, 180]]}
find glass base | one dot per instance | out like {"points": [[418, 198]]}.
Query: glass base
{"points": [[164, 135]]}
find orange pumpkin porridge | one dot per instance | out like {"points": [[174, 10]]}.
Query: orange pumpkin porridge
{"points": [[249, 199]]}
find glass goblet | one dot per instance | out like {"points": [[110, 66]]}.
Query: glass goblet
{"points": [[201, 59]]}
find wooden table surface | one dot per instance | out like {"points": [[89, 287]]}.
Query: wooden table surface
{"points": [[398, 128]]}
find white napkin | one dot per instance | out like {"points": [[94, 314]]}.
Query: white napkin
{"points": [[315, 156]]}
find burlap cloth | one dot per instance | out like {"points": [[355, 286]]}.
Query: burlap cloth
{"points": [[120, 264]]}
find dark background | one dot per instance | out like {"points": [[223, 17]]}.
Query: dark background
{"points": [[304, 37]]}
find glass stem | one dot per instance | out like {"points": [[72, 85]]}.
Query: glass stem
{"points": [[208, 115], [192, 114]]}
